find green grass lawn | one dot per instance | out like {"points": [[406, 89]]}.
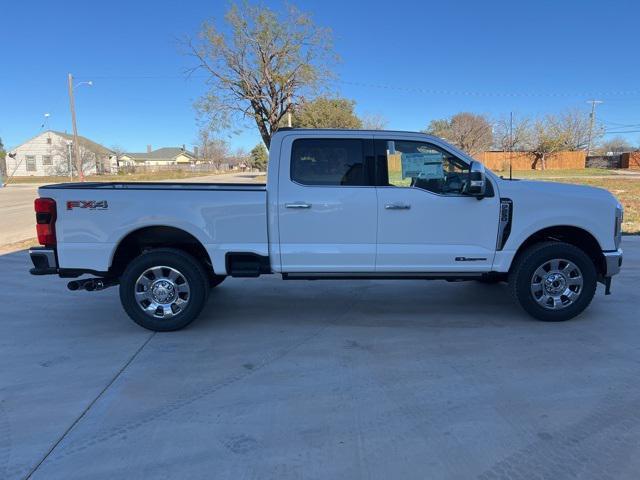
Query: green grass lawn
{"points": [[581, 172]]}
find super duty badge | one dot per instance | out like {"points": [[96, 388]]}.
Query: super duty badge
{"points": [[90, 204]]}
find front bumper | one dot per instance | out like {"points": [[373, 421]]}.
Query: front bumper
{"points": [[44, 261], [613, 262]]}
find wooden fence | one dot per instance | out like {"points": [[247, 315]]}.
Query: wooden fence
{"points": [[630, 160], [499, 161]]}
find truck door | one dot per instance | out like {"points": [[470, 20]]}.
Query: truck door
{"points": [[425, 221], [327, 204]]}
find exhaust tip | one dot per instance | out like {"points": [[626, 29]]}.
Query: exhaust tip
{"points": [[73, 285]]}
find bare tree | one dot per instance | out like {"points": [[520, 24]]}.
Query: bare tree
{"points": [[513, 136], [118, 152], [614, 146], [574, 125], [92, 158], [549, 137], [374, 121], [259, 66], [468, 131], [214, 151], [3, 161], [238, 158]]}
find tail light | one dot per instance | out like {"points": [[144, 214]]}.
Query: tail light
{"points": [[46, 221]]}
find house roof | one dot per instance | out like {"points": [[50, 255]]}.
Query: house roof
{"points": [[166, 153], [84, 141], [89, 144]]}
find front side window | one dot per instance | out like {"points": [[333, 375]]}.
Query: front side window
{"points": [[30, 161], [422, 165], [337, 162]]}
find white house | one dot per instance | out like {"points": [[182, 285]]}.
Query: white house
{"points": [[48, 154]]}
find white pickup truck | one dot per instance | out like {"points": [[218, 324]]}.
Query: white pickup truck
{"points": [[337, 204]]}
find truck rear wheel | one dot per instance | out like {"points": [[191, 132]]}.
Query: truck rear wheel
{"points": [[553, 281], [164, 289]]}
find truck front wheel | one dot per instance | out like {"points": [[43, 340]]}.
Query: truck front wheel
{"points": [[164, 289], [553, 281]]}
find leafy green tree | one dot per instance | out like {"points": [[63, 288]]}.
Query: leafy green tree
{"points": [[326, 112], [259, 157], [260, 65]]}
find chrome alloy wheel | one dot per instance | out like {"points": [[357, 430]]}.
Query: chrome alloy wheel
{"points": [[556, 284], [162, 292]]}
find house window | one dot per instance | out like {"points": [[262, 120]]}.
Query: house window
{"points": [[48, 140], [31, 163], [46, 160]]}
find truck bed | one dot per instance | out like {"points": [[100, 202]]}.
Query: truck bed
{"points": [[93, 218]]}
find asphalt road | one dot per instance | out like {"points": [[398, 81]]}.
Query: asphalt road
{"points": [[337, 380], [17, 219]]}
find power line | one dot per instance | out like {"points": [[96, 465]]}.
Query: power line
{"points": [[402, 88], [431, 91]]}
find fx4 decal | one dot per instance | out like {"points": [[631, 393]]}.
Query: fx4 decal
{"points": [[90, 204]]}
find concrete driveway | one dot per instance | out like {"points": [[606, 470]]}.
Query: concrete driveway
{"points": [[336, 380]]}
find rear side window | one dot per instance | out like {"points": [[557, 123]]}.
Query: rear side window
{"points": [[338, 162]]}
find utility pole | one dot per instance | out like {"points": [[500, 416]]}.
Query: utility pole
{"points": [[69, 156], [510, 145], [592, 120], [76, 153]]}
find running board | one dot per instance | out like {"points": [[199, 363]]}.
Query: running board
{"points": [[451, 277]]}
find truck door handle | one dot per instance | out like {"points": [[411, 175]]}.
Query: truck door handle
{"points": [[397, 206], [297, 205]]}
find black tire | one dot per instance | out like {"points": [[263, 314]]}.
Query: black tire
{"points": [[525, 266], [191, 271], [215, 280]]}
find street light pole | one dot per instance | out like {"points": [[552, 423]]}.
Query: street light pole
{"points": [[72, 106]]}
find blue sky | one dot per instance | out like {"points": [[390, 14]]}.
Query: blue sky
{"points": [[432, 58]]}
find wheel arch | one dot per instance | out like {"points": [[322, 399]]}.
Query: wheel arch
{"points": [[573, 235], [157, 236]]}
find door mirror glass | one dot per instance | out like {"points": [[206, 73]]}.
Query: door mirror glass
{"points": [[477, 183]]}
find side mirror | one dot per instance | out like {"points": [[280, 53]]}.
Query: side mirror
{"points": [[477, 180]]}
